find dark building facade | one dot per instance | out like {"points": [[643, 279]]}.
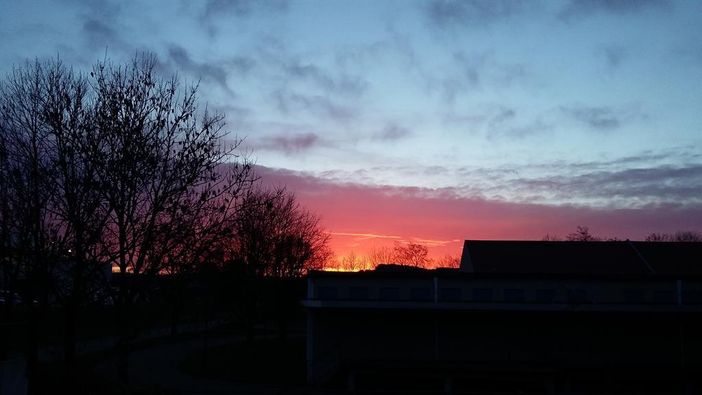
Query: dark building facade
{"points": [[522, 317]]}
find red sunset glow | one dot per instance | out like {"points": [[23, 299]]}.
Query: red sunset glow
{"points": [[361, 218]]}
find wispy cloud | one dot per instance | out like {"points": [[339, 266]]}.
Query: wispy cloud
{"points": [[614, 55], [341, 84], [477, 71], [471, 13], [214, 11], [319, 105], [580, 8], [637, 181], [603, 117], [391, 132], [101, 35], [241, 8], [435, 243], [636, 187], [289, 143], [208, 71], [365, 236], [416, 214]]}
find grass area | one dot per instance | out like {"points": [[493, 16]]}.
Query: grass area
{"points": [[272, 361]]}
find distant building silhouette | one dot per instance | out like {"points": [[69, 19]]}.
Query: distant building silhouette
{"points": [[522, 316]]}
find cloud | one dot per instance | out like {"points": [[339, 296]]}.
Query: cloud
{"points": [[520, 130], [602, 118], [341, 84], [580, 8], [215, 11], [614, 55], [448, 13], [595, 117], [100, 34], [420, 213], [289, 143], [646, 179], [638, 187], [498, 122], [98, 29], [207, 71], [288, 102], [365, 236], [505, 124], [391, 132], [470, 72], [241, 8]]}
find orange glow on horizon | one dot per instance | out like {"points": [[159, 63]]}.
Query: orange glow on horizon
{"points": [[358, 246]]}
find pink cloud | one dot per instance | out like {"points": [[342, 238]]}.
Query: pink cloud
{"points": [[289, 144], [361, 216]]}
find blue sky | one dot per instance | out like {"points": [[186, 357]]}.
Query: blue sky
{"points": [[582, 103]]}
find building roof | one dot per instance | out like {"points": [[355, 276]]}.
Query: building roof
{"points": [[581, 258]]}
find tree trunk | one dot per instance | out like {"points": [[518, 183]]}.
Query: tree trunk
{"points": [[69, 336]]}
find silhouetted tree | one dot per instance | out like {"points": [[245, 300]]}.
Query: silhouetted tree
{"points": [[275, 237], [118, 168], [686, 236], [79, 210], [380, 255], [159, 171], [34, 207], [448, 261], [581, 234], [412, 254], [551, 237], [354, 262]]}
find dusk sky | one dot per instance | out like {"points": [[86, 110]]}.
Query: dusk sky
{"points": [[429, 121]]}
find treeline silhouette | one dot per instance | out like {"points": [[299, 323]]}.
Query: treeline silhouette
{"points": [[582, 233], [118, 170], [407, 254]]}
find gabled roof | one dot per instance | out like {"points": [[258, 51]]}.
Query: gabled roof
{"points": [[586, 258]]}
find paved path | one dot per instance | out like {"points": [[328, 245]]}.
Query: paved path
{"points": [[158, 368]]}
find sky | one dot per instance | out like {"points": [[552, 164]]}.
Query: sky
{"points": [[428, 121]]}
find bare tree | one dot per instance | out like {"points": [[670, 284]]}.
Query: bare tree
{"points": [[412, 254], [684, 236], [275, 237], [381, 255], [159, 170], [551, 237], [582, 234], [353, 262], [27, 167], [118, 167], [78, 208], [451, 261]]}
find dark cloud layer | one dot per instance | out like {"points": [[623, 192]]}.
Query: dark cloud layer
{"points": [[626, 182], [581, 8], [447, 13], [101, 36], [241, 8]]}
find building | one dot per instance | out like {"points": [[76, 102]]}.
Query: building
{"points": [[518, 316]]}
